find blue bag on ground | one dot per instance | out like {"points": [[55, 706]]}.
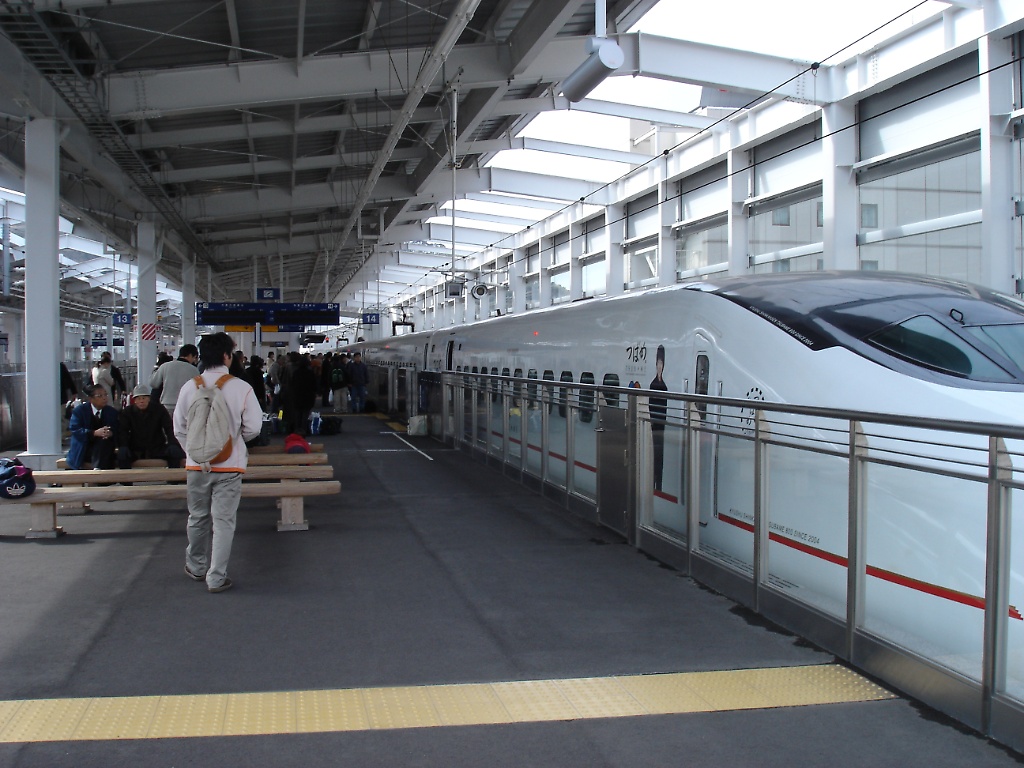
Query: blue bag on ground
{"points": [[15, 479]]}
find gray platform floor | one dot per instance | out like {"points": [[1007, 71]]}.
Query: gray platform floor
{"points": [[423, 572]]}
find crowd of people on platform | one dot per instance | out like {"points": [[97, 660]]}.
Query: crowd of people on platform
{"points": [[110, 428]]}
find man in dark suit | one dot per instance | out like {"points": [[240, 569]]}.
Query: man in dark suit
{"points": [[93, 431]]}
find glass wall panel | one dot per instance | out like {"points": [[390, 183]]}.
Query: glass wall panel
{"points": [[641, 265], [785, 227], [593, 235], [925, 557], [595, 277], [703, 248], [921, 194], [560, 287], [1015, 623], [727, 501], [560, 250], [953, 253], [643, 217], [532, 287]]}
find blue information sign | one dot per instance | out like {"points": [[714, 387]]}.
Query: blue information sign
{"points": [[266, 313], [371, 318], [122, 318]]}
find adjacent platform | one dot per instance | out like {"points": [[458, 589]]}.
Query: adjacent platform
{"points": [[435, 614]]}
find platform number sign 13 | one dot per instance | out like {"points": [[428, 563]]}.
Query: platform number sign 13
{"points": [[371, 318], [121, 318]]}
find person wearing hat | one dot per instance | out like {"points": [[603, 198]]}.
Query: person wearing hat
{"points": [[145, 431]]}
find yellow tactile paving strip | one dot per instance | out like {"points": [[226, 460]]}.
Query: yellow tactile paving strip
{"points": [[250, 714]]}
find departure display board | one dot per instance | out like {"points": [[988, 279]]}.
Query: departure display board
{"points": [[266, 313]]}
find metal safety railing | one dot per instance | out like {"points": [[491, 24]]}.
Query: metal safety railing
{"points": [[886, 539]]}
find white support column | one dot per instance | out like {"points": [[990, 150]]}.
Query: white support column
{"points": [[614, 258], [42, 286], [547, 245], [188, 302], [146, 296], [839, 187], [997, 240], [516, 270], [738, 168], [666, 242], [577, 246]]}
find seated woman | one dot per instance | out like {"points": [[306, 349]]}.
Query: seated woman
{"points": [[93, 429], [145, 431]]}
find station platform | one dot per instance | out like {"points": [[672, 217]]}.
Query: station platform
{"points": [[436, 613]]}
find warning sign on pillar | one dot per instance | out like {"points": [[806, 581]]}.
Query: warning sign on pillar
{"points": [[148, 332]]}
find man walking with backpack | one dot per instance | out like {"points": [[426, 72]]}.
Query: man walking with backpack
{"points": [[214, 416]]}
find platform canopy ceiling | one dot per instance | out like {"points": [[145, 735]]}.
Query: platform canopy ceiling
{"points": [[278, 141]]}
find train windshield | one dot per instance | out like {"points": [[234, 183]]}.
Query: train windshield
{"points": [[1008, 339], [925, 341]]}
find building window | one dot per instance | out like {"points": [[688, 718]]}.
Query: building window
{"points": [[780, 217]]}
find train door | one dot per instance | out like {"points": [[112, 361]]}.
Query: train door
{"points": [[706, 441]]}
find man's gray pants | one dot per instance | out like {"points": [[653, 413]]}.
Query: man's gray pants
{"points": [[212, 512]]}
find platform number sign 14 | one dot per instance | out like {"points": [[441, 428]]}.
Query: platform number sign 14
{"points": [[371, 318]]}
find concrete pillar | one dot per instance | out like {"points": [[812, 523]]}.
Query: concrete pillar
{"points": [[738, 168], [14, 324], [666, 241], [42, 286], [577, 247], [517, 281], [998, 268], [614, 254], [839, 187], [145, 297], [188, 302]]}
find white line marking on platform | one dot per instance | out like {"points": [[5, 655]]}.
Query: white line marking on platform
{"points": [[421, 453]]}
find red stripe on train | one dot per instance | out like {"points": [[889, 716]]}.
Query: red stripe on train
{"points": [[879, 573]]}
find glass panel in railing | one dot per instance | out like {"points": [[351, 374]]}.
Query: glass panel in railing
{"points": [[556, 453], [533, 435], [515, 429], [806, 511], [1015, 609], [481, 401], [584, 468], [662, 487], [726, 512], [466, 401], [925, 539]]}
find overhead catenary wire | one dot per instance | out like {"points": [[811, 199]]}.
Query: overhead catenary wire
{"points": [[811, 68]]}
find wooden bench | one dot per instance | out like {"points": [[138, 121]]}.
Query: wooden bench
{"points": [[279, 448], [268, 459], [289, 484]]}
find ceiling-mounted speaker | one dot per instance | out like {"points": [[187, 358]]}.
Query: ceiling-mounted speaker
{"points": [[478, 291]]}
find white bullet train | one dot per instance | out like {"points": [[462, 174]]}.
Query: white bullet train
{"points": [[863, 341]]}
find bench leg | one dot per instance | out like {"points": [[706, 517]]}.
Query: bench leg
{"points": [[292, 518], [73, 508], [44, 522]]}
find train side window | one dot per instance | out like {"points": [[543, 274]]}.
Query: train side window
{"points": [[925, 341], [702, 377], [611, 380], [586, 397], [531, 389], [548, 376], [563, 393], [474, 369]]}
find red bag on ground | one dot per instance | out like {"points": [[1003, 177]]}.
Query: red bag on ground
{"points": [[295, 443]]}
